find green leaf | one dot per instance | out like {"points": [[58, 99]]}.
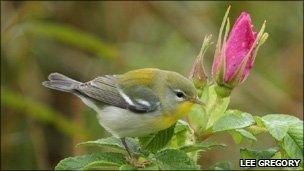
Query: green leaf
{"points": [[94, 160], [255, 129], [155, 142], [258, 128], [237, 137], [293, 141], [201, 146], [181, 126], [129, 167], [259, 121], [110, 142], [246, 134], [233, 119], [72, 36], [182, 135], [197, 118], [173, 159], [126, 167], [226, 165], [149, 167], [254, 154], [101, 165], [277, 155], [114, 144], [278, 124], [288, 130]]}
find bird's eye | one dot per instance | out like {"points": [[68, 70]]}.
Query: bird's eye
{"points": [[180, 94]]}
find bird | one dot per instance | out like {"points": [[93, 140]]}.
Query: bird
{"points": [[133, 104]]}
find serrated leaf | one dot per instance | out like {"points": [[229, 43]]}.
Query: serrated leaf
{"points": [[254, 154], [233, 119], [115, 144], [81, 162], [155, 142], [226, 165], [288, 130], [293, 141], [201, 146], [278, 124], [173, 159]]}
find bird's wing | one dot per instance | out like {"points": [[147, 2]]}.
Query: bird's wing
{"points": [[141, 98], [106, 90], [103, 89]]}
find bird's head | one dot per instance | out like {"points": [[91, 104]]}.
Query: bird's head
{"points": [[181, 88]]}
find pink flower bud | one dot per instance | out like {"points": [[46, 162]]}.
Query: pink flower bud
{"points": [[238, 50], [238, 45], [234, 57]]}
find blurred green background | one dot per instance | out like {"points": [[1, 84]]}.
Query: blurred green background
{"points": [[40, 126]]}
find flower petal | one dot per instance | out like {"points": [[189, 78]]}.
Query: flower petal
{"points": [[240, 40], [216, 65]]}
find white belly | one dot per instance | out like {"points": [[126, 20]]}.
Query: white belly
{"points": [[124, 123]]}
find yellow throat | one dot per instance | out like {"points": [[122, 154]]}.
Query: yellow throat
{"points": [[169, 119]]}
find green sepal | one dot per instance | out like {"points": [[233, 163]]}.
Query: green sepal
{"points": [[197, 73], [219, 39], [223, 91]]}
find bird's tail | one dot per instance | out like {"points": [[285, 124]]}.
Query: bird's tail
{"points": [[61, 82]]}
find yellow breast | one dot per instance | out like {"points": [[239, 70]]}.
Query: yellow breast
{"points": [[169, 119]]}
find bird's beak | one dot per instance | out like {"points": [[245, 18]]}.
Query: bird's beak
{"points": [[196, 100]]}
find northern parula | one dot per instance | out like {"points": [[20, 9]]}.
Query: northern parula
{"points": [[133, 104]]}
